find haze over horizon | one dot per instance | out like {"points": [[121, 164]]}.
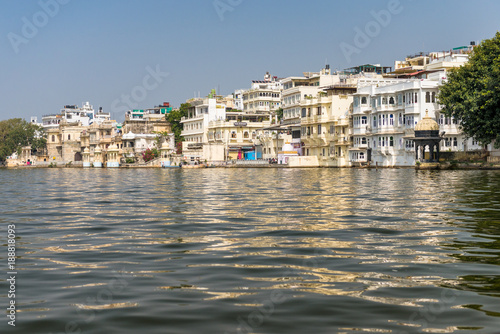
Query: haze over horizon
{"points": [[117, 54]]}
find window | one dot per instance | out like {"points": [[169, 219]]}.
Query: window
{"points": [[384, 100], [245, 134], [363, 100], [391, 119], [455, 142], [364, 120], [391, 100], [391, 141], [323, 152], [304, 110], [433, 97], [233, 134], [331, 129], [319, 111], [53, 138], [69, 137], [416, 97], [356, 101], [319, 129], [427, 97], [374, 121], [363, 141], [400, 99]]}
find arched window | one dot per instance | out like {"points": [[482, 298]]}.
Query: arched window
{"points": [[455, 142], [391, 141], [363, 140], [391, 100], [69, 137], [245, 135], [427, 97], [433, 97], [363, 100], [233, 134]]}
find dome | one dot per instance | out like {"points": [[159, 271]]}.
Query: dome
{"points": [[427, 124], [287, 148]]}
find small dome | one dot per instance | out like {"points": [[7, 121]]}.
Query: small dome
{"points": [[287, 147], [427, 124]]}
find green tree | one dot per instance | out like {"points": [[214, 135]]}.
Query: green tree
{"points": [[16, 133], [174, 118], [279, 112], [472, 93]]}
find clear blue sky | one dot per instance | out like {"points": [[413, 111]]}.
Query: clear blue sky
{"points": [[100, 50]]}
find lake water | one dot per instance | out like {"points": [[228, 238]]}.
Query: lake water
{"points": [[253, 250]]}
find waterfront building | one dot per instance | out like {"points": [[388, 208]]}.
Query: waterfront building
{"points": [[200, 113], [63, 142], [385, 113], [325, 119], [235, 137], [317, 112], [296, 89]]}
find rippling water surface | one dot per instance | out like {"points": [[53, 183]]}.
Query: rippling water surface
{"points": [[253, 250]]}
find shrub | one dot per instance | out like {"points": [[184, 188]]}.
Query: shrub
{"points": [[150, 154]]}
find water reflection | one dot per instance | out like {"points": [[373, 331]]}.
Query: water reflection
{"points": [[199, 250]]}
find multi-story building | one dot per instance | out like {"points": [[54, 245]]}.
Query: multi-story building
{"points": [[235, 136], [195, 124], [71, 114], [385, 112], [264, 96], [325, 130]]}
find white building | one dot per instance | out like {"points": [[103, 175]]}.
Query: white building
{"points": [[72, 114], [264, 96], [195, 125]]}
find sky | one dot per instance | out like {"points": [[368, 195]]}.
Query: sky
{"points": [[131, 54]]}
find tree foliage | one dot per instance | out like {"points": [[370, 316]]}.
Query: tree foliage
{"points": [[472, 93], [16, 133], [174, 118], [279, 112]]}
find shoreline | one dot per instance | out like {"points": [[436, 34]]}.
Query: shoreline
{"points": [[447, 166]]}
